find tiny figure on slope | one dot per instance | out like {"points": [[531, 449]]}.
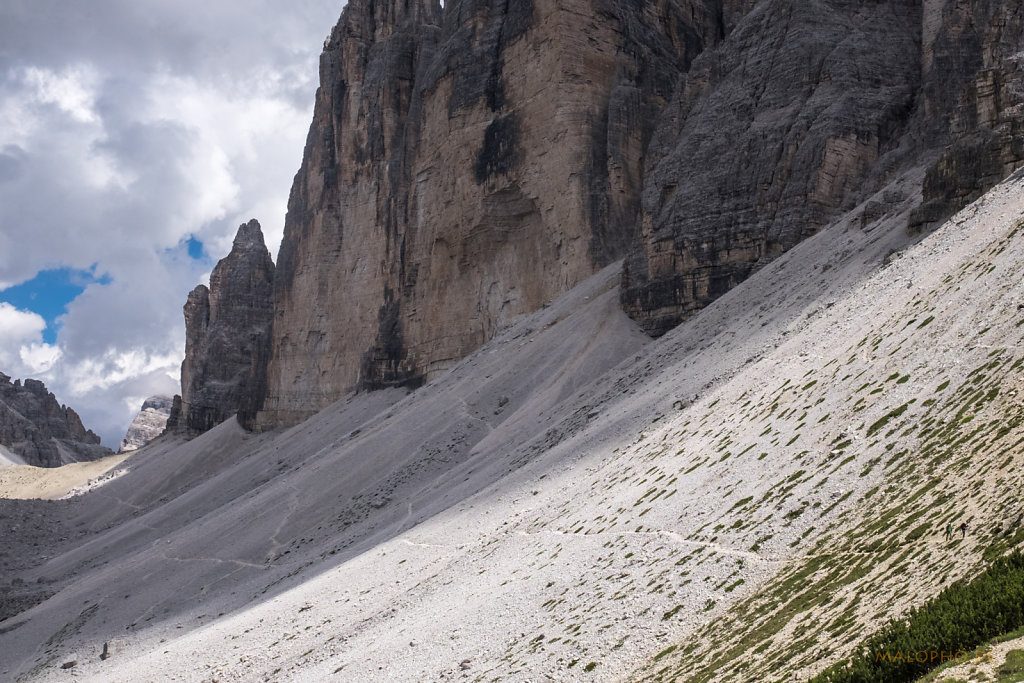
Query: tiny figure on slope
{"points": [[949, 531], [963, 530]]}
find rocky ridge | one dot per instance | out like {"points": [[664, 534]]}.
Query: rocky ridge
{"points": [[148, 424], [41, 431]]}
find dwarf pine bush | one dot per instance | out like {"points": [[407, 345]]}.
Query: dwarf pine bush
{"points": [[949, 627]]}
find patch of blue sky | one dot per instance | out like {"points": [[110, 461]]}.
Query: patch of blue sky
{"points": [[49, 293], [195, 248]]}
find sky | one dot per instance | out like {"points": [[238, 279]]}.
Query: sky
{"points": [[135, 137]]}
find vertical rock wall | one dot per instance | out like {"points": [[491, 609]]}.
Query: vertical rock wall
{"points": [[973, 89], [805, 109], [772, 133], [464, 166]]}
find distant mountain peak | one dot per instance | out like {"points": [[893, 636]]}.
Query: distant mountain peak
{"points": [[148, 424]]}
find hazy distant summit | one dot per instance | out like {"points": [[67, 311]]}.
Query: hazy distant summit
{"points": [[148, 424]]}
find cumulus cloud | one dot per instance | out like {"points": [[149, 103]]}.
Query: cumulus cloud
{"points": [[22, 350], [17, 326], [126, 129]]}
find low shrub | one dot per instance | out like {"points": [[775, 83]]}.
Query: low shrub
{"points": [[950, 626]]}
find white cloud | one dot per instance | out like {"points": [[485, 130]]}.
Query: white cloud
{"points": [[125, 127], [22, 351], [73, 90], [39, 358], [17, 326], [113, 368]]}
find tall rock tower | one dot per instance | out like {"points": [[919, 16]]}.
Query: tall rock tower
{"points": [[464, 166], [227, 336]]}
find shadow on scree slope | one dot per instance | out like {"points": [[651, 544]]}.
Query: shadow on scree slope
{"points": [[217, 524]]}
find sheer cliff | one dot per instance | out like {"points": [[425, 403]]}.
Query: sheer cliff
{"points": [[805, 110], [464, 166], [44, 433], [468, 163]]}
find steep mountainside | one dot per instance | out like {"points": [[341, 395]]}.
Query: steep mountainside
{"points": [[802, 112], [467, 164], [464, 166], [741, 499], [769, 135], [973, 58], [41, 431]]}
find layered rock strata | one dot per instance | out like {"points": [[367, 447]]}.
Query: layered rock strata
{"points": [[773, 132], [973, 58], [800, 113], [227, 336], [464, 166], [40, 430]]}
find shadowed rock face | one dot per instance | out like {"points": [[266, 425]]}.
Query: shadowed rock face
{"points": [[974, 90], [464, 166], [771, 133], [227, 332], [40, 430], [803, 111]]}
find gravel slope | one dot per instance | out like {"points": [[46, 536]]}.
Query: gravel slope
{"points": [[574, 502]]}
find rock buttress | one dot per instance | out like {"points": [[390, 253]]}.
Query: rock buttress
{"points": [[770, 135], [804, 110], [973, 59], [227, 337]]}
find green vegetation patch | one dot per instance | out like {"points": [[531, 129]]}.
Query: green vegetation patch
{"points": [[1012, 669], [884, 420], [954, 623]]}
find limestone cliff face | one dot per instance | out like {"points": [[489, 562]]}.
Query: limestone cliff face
{"points": [[802, 111], [464, 166], [771, 133], [40, 430], [148, 424], [973, 59], [227, 334]]}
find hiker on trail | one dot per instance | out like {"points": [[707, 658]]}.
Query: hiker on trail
{"points": [[963, 530], [949, 531]]}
